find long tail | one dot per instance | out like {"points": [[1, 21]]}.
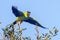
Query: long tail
{"points": [[41, 26]]}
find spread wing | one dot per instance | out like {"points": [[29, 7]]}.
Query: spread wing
{"points": [[16, 12], [34, 22]]}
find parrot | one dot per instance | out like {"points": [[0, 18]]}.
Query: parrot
{"points": [[24, 17]]}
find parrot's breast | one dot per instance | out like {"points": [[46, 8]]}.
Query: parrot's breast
{"points": [[20, 18]]}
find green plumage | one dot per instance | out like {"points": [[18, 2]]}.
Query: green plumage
{"points": [[22, 17]]}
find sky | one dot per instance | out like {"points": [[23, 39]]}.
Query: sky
{"points": [[46, 12]]}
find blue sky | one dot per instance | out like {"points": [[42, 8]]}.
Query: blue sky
{"points": [[47, 12]]}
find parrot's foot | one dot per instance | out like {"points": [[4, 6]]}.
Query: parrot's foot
{"points": [[19, 23]]}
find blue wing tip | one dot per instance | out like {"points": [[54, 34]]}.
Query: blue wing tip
{"points": [[14, 7]]}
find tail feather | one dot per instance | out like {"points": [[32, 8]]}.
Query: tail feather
{"points": [[41, 26]]}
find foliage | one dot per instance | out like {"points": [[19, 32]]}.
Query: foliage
{"points": [[0, 22], [11, 34]]}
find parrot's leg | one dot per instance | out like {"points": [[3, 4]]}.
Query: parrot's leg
{"points": [[19, 23]]}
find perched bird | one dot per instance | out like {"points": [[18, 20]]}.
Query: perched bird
{"points": [[24, 17]]}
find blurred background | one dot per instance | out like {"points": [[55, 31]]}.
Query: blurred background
{"points": [[46, 12]]}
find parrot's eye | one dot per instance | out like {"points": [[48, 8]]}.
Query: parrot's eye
{"points": [[28, 14]]}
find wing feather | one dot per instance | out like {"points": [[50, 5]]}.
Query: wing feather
{"points": [[34, 22], [16, 12]]}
